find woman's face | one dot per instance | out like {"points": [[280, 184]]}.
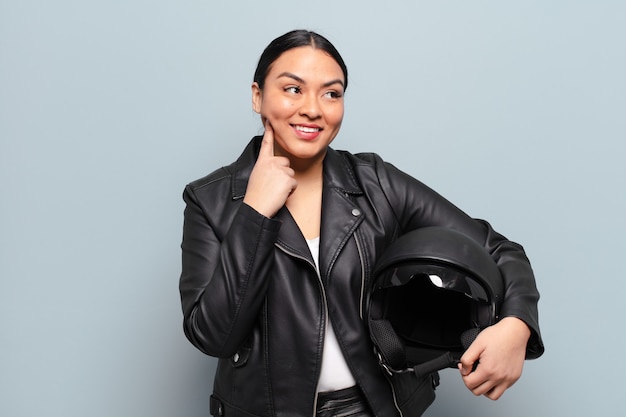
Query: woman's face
{"points": [[303, 101]]}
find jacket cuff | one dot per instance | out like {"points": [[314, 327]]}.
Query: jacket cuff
{"points": [[251, 216]]}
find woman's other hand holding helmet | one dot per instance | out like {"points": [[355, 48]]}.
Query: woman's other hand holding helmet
{"points": [[500, 351]]}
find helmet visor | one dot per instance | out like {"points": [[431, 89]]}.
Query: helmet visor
{"points": [[441, 276], [430, 306]]}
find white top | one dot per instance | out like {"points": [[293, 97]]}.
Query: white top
{"points": [[335, 374]]}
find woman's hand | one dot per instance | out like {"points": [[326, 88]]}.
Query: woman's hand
{"points": [[272, 179], [500, 350]]}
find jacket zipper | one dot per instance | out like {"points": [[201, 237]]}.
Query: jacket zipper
{"points": [[325, 317], [325, 302], [393, 392], [361, 257], [360, 251]]}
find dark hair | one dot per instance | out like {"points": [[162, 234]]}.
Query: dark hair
{"points": [[295, 39]]}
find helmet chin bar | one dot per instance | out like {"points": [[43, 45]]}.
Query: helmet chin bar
{"points": [[445, 360]]}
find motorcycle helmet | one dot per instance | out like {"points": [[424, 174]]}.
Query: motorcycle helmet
{"points": [[433, 290]]}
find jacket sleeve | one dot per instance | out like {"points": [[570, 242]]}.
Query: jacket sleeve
{"points": [[224, 278], [416, 205]]}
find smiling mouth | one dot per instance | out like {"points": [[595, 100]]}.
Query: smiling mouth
{"points": [[307, 129]]}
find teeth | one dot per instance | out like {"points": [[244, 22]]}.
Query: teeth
{"points": [[307, 129]]}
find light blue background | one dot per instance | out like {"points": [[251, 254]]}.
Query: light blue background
{"points": [[514, 110]]}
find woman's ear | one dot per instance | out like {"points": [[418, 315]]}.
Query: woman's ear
{"points": [[257, 97]]}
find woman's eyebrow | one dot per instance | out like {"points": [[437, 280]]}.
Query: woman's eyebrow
{"points": [[292, 76], [301, 81], [329, 83]]}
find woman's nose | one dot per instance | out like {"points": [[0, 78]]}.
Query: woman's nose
{"points": [[310, 107]]}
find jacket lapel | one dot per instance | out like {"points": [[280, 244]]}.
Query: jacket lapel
{"points": [[290, 237], [340, 214]]}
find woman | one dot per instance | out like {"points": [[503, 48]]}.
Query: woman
{"points": [[279, 246]]}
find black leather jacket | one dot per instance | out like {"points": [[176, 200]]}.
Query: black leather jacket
{"points": [[252, 297]]}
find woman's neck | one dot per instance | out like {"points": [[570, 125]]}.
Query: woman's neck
{"points": [[307, 169]]}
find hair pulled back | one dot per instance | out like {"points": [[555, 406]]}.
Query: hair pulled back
{"points": [[295, 39]]}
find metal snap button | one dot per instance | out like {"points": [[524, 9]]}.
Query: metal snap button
{"points": [[356, 212]]}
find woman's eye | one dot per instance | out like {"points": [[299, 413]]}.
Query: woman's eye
{"points": [[333, 94], [293, 89]]}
